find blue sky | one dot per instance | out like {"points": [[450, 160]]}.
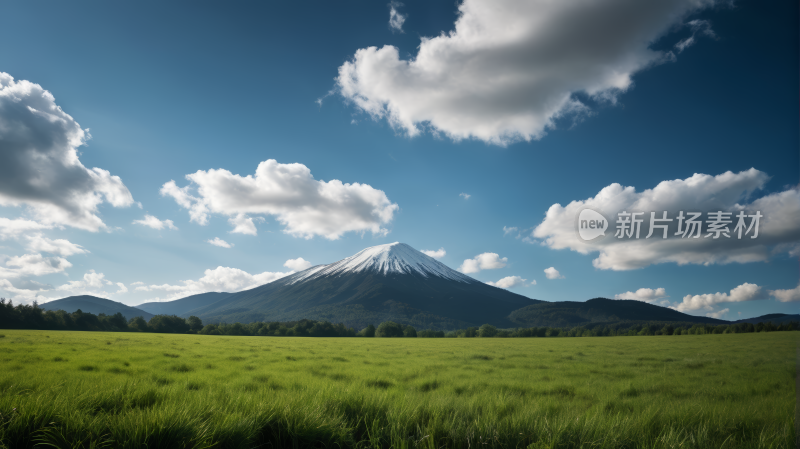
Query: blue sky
{"points": [[170, 89]]}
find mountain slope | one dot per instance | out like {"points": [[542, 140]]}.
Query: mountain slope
{"points": [[380, 283], [183, 306], [95, 305], [569, 314], [774, 318]]}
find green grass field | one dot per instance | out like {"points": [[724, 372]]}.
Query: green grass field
{"points": [[92, 389]]}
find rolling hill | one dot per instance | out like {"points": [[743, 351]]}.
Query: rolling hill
{"points": [[598, 310], [774, 318], [95, 305]]}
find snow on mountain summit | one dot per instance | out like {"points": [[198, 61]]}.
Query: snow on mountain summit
{"points": [[397, 258]]}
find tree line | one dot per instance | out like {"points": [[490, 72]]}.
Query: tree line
{"points": [[23, 316]]}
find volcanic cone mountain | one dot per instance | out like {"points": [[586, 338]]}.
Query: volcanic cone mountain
{"points": [[385, 282]]}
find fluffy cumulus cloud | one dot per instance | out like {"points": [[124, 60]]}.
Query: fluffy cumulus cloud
{"points": [[219, 242], [437, 254], [727, 192], [510, 281], [305, 206], [16, 280], [789, 295], [719, 314], [298, 264], [485, 261], [242, 224], [644, 294], [62, 247], [510, 68], [39, 165], [396, 19], [13, 228], [742, 293], [25, 291], [153, 222], [466, 196], [220, 279], [91, 282], [32, 265], [552, 273]]}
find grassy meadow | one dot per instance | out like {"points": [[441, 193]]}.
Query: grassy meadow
{"points": [[94, 389]]}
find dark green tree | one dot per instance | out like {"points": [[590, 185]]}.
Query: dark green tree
{"points": [[410, 332], [389, 329], [368, 331], [195, 323], [487, 330], [168, 324], [138, 324]]}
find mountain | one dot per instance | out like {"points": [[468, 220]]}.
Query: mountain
{"points": [[95, 305], [385, 282], [598, 310], [183, 306], [774, 318]]}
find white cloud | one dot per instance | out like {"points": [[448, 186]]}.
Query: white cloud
{"points": [[24, 287], [298, 264], [153, 222], [512, 67], [718, 314], [644, 294], [91, 283], [744, 292], [396, 19], [220, 279], [466, 196], [305, 206], [62, 247], [698, 27], [137, 283], [552, 273], [510, 281], [485, 261], [33, 265], [27, 291], [243, 224], [778, 230], [14, 228], [437, 254], [219, 242], [39, 165], [510, 230], [790, 295]]}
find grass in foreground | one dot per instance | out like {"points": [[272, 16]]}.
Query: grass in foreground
{"points": [[91, 389]]}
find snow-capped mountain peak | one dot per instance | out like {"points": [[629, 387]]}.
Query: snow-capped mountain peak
{"points": [[392, 258]]}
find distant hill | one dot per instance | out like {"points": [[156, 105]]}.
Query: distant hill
{"points": [[598, 310], [774, 318], [95, 305], [184, 306]]}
